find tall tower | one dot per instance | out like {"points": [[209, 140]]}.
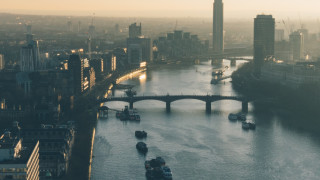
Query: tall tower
{"points": [[218, 43], [134, 30], [296, 40], [264, 36], [75, 67], [30, 55]]}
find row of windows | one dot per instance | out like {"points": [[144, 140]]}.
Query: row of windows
{"points": [[4, 170]]}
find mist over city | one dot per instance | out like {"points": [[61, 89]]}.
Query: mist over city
{"points": [[217, 89]]}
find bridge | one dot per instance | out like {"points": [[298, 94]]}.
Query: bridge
{"points": [[168, 99]]}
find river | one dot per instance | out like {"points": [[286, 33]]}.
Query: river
{"points": [[200, 146]]}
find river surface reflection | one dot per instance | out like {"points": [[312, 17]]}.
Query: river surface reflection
{"points": [[200, 146]]}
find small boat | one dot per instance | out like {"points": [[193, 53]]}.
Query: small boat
{"points": [[245, 125], [137, 117], [233, 117], [141, 134], [242, 117], [248, 125], [252, 125], [142, 147], [166, 172]]}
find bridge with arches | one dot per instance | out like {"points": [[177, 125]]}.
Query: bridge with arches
{"points": [[168, 99]]}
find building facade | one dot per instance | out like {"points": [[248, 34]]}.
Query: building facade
{"points": [[75, 67], [134, 30], [264, 36], [16, 160], [296, 40], [30, 60]]}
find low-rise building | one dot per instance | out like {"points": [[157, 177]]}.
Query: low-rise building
{"points": [[17, 160], [54, 149]]}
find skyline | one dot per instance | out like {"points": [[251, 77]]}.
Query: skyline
{"points": [[168, 8]]}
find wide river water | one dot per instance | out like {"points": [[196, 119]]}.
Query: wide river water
{"points": [[199, 146]]}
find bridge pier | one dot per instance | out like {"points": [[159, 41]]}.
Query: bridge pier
{"points": [[208, 107], [245, 107], [168, 106], [131, 105]]}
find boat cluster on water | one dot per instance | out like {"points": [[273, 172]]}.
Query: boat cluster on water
{"points": [[128, 115], [156, 169], [247, 125]]}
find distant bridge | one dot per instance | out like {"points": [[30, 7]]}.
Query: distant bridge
{"points": [[168, 99]]}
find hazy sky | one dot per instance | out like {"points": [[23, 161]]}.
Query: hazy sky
{"points": [[164, 8]]}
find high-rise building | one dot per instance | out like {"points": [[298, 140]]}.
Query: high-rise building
{"points": [[134, 30], [18, 161], [69, 26], [79, 26], [296, 40], [264, 35], [110, 62], [2, 62], [218, 40], [30, 56], [75, 67], [146, 48], [134, 54], [305, 33], [279, 35], [170, 36], [92, 31], [178, 35]]}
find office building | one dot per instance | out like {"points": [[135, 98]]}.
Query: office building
{"points": [[30, 60], [135, 45], [279, 35], [177, 35], [92, 31], [264, 35], [18, 161], [134, 30], [2, 62], [55, 148], [305, 33], [69, 26], [296, 40], [109, 62], [97, 65], [170, 36], [218, 40], [75, 67], [89, 78]]}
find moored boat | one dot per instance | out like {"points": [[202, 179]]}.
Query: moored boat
{"points": [[142, 147], [141, 134]]}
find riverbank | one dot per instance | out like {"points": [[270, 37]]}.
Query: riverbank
{"points": [[85, 115]]}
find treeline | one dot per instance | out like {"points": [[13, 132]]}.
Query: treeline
{"points": [[305, 99]]}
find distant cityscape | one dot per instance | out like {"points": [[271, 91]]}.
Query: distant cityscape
{"points": [[53, 69]]}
